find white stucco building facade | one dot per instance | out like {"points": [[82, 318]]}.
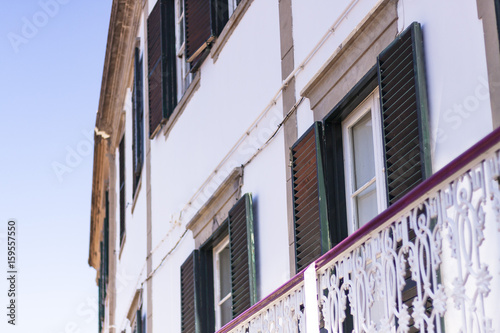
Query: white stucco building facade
{"points": [[284, 166]]}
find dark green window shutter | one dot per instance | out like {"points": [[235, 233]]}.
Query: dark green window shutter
{"points": [[121, 150], [137, 121], [403, 99], [138, 321], [104, 264], [309, 202], [194, 294], [162, 80], [242, 248]]}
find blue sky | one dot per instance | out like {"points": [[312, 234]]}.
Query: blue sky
{"points": [[51, 61]]}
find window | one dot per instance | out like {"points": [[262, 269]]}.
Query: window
{"points": [[370, 151], [363, 163], [231, 6], [218, 280], [162, 74], [137, 121], [184, 77], [222, 283]]}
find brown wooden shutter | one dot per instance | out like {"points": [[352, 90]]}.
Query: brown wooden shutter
{"points": [[198, 27], [188, 289], [242, 248], [309, 201], [403, 100], [162, 79]]}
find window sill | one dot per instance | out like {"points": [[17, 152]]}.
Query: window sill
{"points": [[231, 24], [195, 84]]}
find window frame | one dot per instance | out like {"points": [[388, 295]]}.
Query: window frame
{"points": [[239, 220], [370, 104], [184, 76], [217, 249]]}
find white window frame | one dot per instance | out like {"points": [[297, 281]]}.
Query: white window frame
{"points": [[370, 104], [231, 7], [184, 78], [217, 301]]}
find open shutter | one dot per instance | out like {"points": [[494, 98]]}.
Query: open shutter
{"points": [[137, 120], [138, 321], [205, 20], [403, 99], [162, 80], [188, 293], [194, 294], [242, 248], [309, 200]]}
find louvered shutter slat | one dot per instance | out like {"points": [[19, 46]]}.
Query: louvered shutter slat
{"points": [[188, 308], [310, 222], [198, 27], [404, 113], [242, 249]]}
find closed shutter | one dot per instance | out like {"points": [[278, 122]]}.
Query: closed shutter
{"points": [[309, 204], [188, 308], [138, 321], [137, 120], [242, 248], [122, 188], [103, 271], [162, 80], [403, 98], [194, 293]]}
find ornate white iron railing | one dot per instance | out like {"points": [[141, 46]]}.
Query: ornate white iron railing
{"points": [[429, 263]]}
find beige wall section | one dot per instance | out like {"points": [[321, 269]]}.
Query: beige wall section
{"points": [[213, 213], [112, 204], [147, 143], [290, 125], [353, 59], [487, 14]]}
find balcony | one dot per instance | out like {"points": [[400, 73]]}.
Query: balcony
{"points": [[440, 243]]}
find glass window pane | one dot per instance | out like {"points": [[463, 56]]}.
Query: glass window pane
{"points": [[364, 162], [367, 204], [225, 272], [181, 33], [225, 315]]}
